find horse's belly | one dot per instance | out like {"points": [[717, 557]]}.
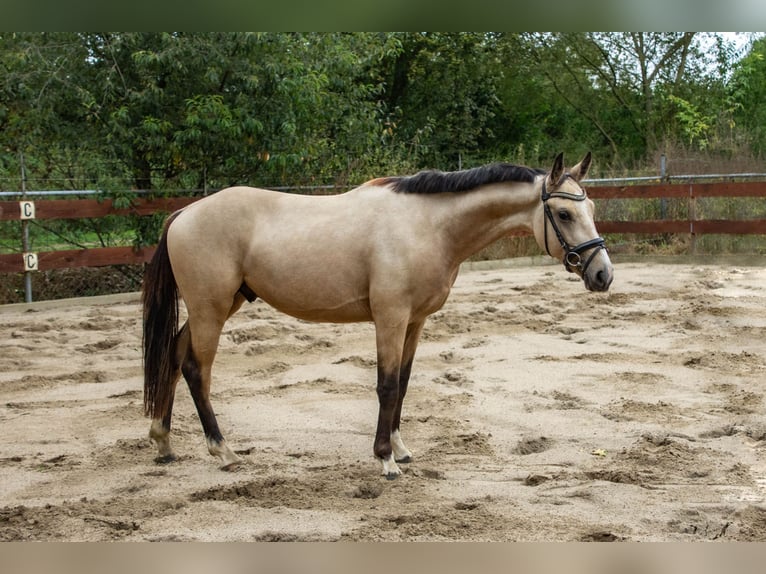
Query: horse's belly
{"points": [[315, 278], [354, 311], [312, 297]]}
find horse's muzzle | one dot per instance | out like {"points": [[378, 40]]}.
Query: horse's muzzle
{"points": [[599, 277]]}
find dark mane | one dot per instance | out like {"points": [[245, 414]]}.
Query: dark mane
{"points": [[434, 181]]}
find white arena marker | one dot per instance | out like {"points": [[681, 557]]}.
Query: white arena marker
{"points": [[30, 261], [27, 209]]}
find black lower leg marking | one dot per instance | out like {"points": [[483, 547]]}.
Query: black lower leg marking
{"points": [[388, 393], [193, 378], [167, 418], [404, 379]]}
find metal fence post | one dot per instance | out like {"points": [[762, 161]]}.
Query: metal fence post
{"points": [[663, 201], [692, 219], [25, 232]]}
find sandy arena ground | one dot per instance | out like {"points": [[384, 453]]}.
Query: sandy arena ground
{"points": [[536, 411]]}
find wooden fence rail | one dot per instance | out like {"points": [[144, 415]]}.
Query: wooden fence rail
{"points": [[80, 209], [87, 208], [96, 257]]}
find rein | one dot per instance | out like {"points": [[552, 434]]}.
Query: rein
{"points": [[572, 254]]}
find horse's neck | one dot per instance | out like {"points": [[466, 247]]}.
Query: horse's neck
{"points": [[475, 219]]}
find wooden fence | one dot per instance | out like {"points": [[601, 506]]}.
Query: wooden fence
{"points": [[96, 257], [80, 209]]}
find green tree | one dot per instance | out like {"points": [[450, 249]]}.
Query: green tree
{"points": [[748, 95], [235, 107], [633, 86], [441, 95], [42, 111], [532, 123], [164, 111]]}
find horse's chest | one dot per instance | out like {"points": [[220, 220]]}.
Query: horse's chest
{"points": [[429, 297]]}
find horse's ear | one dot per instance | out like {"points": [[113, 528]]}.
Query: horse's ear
{"points": [[581, 169], [557, 170]]}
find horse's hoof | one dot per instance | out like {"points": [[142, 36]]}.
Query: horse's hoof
{"points": [[166, 459], [405, 459], [232, 466], [391, 476]]}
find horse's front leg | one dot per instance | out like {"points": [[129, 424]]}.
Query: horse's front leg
{"points": [[388, 393], [401, 452], [390, 342]]}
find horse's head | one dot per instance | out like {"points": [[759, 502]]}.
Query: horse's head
{"points": [[564, 225]]}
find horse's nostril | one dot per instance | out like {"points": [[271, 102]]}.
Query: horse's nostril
{"points": [[604, 279]]}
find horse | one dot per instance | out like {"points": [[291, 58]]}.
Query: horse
{"points": [[387, 252]]}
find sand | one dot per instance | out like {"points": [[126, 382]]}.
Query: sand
{"points": [[537, 412]]}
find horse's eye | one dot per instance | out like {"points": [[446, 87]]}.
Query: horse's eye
{"points": [[564, 215]]}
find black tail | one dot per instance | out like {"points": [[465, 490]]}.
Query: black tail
{"points": [[160, 302]]}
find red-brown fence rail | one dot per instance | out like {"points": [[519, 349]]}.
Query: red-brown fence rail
{"points": [[89, 208], [691, 192], [80, 209]]}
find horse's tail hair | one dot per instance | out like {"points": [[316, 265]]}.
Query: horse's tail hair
{"points": [[160, 322]]}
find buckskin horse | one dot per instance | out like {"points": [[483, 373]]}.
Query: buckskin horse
{"points": [[387, 252]]}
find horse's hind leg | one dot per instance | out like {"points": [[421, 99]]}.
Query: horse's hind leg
{"points": [[205, 331], [160, 433], [160, 428]]}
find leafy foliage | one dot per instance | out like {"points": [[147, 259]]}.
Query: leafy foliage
{"points": [[167, 111], [181, 111], [748, 95]]}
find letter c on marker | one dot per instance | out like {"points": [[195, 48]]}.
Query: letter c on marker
{"points": [[27, 209], [30, 261]]}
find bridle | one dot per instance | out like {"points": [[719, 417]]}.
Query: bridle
{"points": [[572, 255]]}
